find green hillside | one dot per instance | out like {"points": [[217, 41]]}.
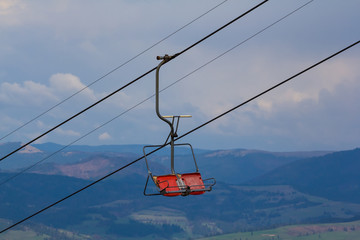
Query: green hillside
{"points": [[335, 231], [334, 176], [116, 208], [294, 193]]}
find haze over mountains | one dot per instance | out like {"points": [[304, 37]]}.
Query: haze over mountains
{"points": [[255, 189], [231, 166]]}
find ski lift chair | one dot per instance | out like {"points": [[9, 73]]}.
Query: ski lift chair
{"points": [[175, 184]]}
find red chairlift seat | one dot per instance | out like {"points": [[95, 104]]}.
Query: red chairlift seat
{"points": [[168, 185], [194, 182], [172, 185]]}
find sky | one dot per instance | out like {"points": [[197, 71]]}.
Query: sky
{"points": [[49, 50]]}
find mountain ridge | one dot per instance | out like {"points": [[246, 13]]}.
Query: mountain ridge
{"points": [[334, 176], [116, 208]]}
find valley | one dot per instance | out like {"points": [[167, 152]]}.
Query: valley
{"points": [[264, 196]]}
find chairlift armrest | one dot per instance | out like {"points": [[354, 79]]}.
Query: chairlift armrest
{"points": [[210, 184], [180, 116]]}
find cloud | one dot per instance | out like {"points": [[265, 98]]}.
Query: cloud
{"points": [[8, 7], [317, 110], [7, 123], [31, 93], [65, 82], [69, 84], [5, 6], [10, 12], [28, 93], [104, 136], [309, 87], [70, 133], [65, 37]]}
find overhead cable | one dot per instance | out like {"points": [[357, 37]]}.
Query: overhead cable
{"points": [[129, 83], [189, 132], [129, 109], [113, 70]]}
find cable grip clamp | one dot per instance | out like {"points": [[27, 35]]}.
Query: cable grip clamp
{"points": [[166, 57]]}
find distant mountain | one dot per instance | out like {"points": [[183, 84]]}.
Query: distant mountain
{"points": [[233, 166], [230, 166], [52, 147], [97, 165], [8, 147], [116, 208], [237, 166], [334, 176], [287, 188], [125, 148]]}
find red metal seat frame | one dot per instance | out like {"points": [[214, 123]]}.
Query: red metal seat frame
{"points": [[194, 182], [168, 185]]}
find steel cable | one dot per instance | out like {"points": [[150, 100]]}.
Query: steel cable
{"points": [[129, 109], [129, 83], [111, 71]]}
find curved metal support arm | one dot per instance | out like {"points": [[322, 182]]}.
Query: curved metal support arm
{"points": [[165, 59]]}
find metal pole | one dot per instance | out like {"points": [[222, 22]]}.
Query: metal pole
{"points": [[172, 133]]}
